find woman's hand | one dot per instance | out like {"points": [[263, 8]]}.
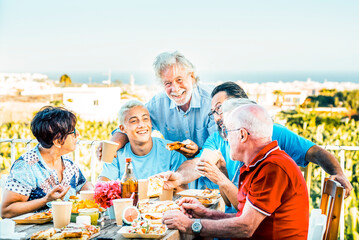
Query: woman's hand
{"points": [[57, 192]]}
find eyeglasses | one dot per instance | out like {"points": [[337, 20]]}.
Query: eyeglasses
{"points": [[73, 132], [225, 132], [217, 110]]}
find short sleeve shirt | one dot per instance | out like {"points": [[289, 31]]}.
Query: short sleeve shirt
{"points": [[30, 176], [294, 145], [273, 185], [158, 160]]}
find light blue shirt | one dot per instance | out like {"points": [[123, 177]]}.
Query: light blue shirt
{"points": [[176, 125], [158, 160], [294, 145]]}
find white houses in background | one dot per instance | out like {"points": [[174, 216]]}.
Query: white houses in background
{"points": [[95, 103]]}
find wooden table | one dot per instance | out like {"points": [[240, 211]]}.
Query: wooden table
{"points": [[110, 228], [108, 231]]}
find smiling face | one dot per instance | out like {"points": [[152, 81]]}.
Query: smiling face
{"points": [[137, 125], [216, 106], [178, 84]]}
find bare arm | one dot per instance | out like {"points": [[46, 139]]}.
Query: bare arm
{"points": [[87, 186], [227, 188], [330, 164], [227, 226], [118, 137], [104, 179], [238, 227], [188, 172], [15, 204]]}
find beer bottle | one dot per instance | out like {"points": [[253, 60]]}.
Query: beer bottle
{"points": [[129, 182]]}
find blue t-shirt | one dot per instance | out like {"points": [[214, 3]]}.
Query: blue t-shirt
{"points": [[294, 145], [158, 160], [30, 176]]}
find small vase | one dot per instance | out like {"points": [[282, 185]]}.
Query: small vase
{"points": [[111, 212]]}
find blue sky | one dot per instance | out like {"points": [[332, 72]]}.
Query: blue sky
{"points": [[232, 36]]}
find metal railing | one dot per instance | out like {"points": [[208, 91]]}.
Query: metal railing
{"points": [[93, 144]]}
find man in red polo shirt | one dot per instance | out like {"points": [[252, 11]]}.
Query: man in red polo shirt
{"points": [[272, 194]]}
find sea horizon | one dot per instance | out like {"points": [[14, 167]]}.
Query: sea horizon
{"points": [[148, 78]]}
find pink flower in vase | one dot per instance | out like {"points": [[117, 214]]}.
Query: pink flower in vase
{"points": [[105, 192]]}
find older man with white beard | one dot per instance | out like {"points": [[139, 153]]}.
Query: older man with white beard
{"points": [[181, 111]]}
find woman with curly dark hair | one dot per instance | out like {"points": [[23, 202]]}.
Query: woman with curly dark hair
{"points": [[45, 173]]}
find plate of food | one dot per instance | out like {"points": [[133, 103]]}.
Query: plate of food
{"points": [[148, 206], [71, 231], [34, 218], [207, 202], [153, 218], [198, 193], [143, 229]]}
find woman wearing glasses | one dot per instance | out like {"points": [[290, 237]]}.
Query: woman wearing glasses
{"points": [[45, 173]]}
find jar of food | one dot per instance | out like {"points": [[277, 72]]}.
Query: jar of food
{"points": [[92, 212]]}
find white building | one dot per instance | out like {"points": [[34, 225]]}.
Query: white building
{"points": [[95, 103]]}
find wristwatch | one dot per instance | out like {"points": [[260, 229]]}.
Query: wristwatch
{"points": [[197, 227]]}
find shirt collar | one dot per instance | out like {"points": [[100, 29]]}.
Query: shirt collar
{"points": [[195, 100], [65, 158], [262, 155]]}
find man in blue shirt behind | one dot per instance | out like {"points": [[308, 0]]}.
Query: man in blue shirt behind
{"points": [[149, 154], [301, 150]]}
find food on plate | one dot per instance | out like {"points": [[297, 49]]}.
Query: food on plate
{"points": [[147, 206], [71, 231], [197, 193], [77, 205], [208, 193], [155, 186], [45, 234], [144, 227], [74, 197], [205, 201], [40, 215], [154, 218], [130, 214]]}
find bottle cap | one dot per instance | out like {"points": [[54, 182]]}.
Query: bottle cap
{"points": [[128, 159]]}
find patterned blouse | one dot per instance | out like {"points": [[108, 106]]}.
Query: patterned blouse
{"points": [[30, 176]]}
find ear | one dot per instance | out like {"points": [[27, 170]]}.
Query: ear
{"points": [[122, 128], [244, 135], [193, 78], [57, 143]]}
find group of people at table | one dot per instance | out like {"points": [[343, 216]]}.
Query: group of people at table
{"points": [[256, 171]]}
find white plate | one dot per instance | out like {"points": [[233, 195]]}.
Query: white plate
{"points": [[22, 219], [198, 193]]}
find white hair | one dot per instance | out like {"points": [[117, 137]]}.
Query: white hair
{"points": [[232, 103], [167, 59], [254, 118], [127, 107]]}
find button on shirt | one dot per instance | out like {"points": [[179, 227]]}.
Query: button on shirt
{"points": [[176, 125], [273, 185]]}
